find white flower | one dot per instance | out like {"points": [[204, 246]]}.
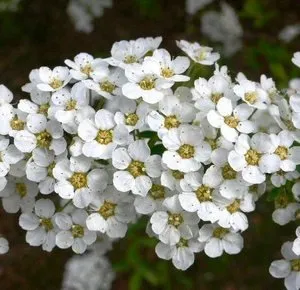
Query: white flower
{"points": [[249, 156], [186, 148], [84, 65], [102, 135], [143, 82], [231, 120], [53, 80], [218, 239], [6, 96], [251, 93], [171, 179], [173, 222], [280, 178], [74, 232], [182, 254], [19, 193], [40, 225], [136, 166], [171, 113], [296, 243], [77, 181], [198, 195], [40, 133], [111, 212], [287, 268], [198, 53], [107, 82], [4, 246], [296, 59], [166, 68]]}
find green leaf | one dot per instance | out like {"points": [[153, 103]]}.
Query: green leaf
{"points": [[147, 134], [273, 194], [158, 149], [135, 281]]}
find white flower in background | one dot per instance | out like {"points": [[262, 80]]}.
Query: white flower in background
{"points": [[124, 53], [280, 178], [40, 133], [269, 86], [218, 240], [173, 222], [198, 195], [84, 66], [251, 93], [102, 135], [40, 169], [19, 193], [131, 114], [296, 190], [53, 80], [107, 82], [167, 68], [296, 59], [143, 82], [289, 33], [40, 225], [193, 6], [74, 232], [90, 271], [287, 268], [171, 114], [136, 168], [231, 214], [4, 246], [77, 181], [224, 27], [153, 200], [83, 12], [250, 156], [182, 254], [110, 213], [186, 148], [296, 243], [230, 120], [198, 53]]}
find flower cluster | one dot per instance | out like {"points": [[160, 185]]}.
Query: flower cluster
{"points": [[101, 142]]}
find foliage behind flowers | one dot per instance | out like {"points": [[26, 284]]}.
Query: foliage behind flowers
{"points": [[103, 142]]}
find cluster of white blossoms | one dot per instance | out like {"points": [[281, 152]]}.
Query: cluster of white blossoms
{"points": [[101, 142]]}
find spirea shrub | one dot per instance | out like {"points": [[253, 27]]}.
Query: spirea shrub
{"points": [[99, 143]]}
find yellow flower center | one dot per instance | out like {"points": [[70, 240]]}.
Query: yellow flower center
{"points": [[56, 83], [203, 193], [130, 59], [216, 97], [252, 157], [212, 142], [107, 209], [78, 180], [251, 97], [167, 72], [147, 83], [107, 86], [282, 152], [21, 189], [47, 224], [136, 168], [175, 219], [131, 119], [71, 105], [201, 56], [77, 231], [178, 175], [228, 172], [43, 109], [295, 265], [17, 124], [157, 191], [234, 207], [219, 232], [104, 137], [186, 151], [171, 122], [43, 139], [183, 243], [87, 69], [231, 121]]}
